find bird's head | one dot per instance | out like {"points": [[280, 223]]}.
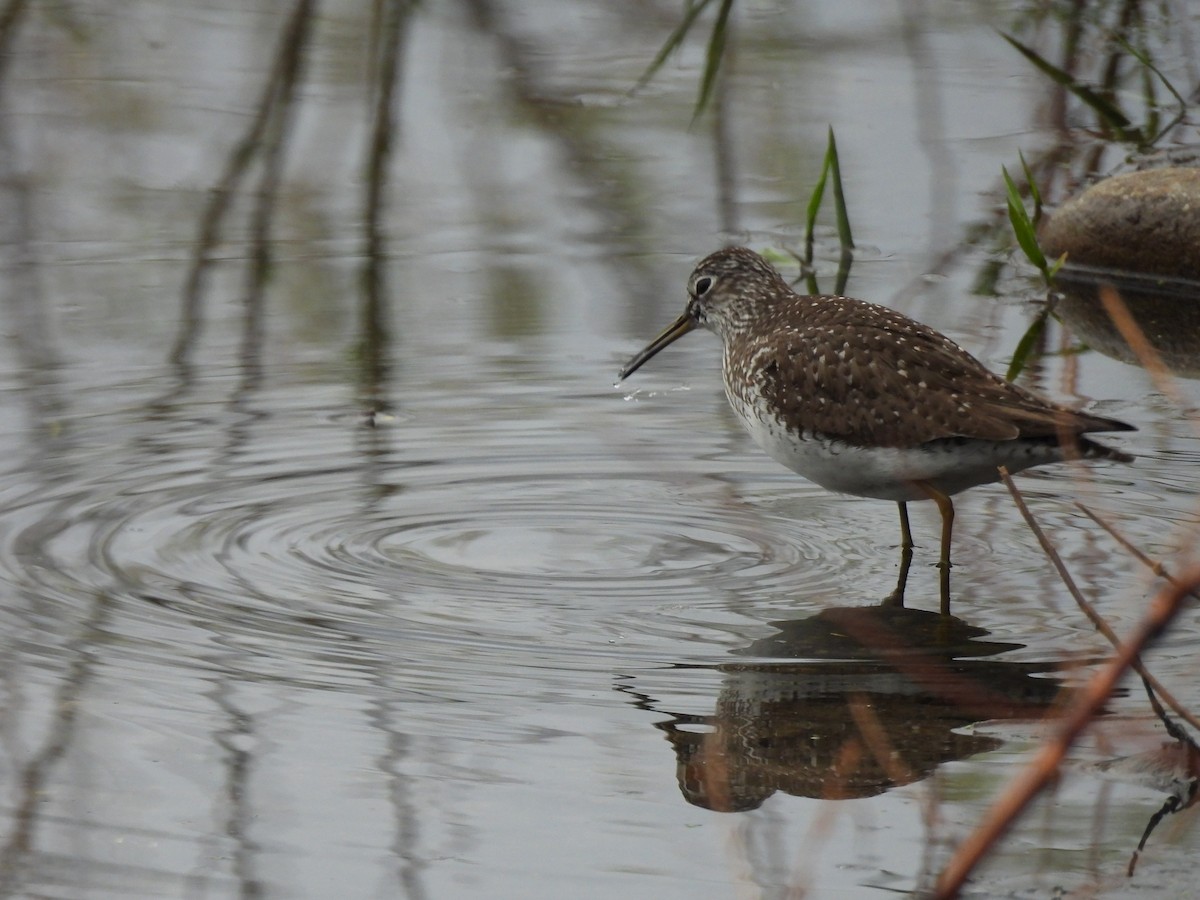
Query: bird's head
{"points": [[726, 291]]}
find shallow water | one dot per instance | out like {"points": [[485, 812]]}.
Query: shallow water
{"points": [[317, 590]]}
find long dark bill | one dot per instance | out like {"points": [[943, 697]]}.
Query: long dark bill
{"points": [[671, 333]]}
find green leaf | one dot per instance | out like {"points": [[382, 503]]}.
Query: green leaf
{"points": [[810, 280], [814, 205], [778, 258], [1034, 194], [673, 41], [843, 273], [1026, 344], [712, 61], [1144, 59], [1152, 119], [987, 277], [1022, 226], [839, 196], [1108, 113], [830, 167]]}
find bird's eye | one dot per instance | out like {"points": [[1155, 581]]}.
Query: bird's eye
{"points": [[703, 286]]}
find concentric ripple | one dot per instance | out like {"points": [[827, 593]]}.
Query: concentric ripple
{"points": [[552, 530], [502, 523]]}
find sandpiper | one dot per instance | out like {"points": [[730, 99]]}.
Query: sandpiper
{"points": [[863, 400]]}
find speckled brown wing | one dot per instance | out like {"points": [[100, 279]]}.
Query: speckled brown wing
{"points": [[858, 371]]}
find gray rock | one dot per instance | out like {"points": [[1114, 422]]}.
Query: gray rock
{"points": [[1145, 221]]}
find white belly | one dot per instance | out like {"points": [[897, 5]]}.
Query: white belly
{"points": [[888, 473]]}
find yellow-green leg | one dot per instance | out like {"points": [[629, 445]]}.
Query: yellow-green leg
{"points": [[896, 597], [906, 541], [946, 508]]}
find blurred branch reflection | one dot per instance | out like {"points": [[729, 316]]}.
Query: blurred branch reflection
{"points": [[265, 137], [391, 32]]}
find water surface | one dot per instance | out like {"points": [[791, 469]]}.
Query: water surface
{"points": [[347, 571]]}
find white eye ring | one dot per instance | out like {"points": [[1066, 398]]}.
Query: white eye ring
{"points": [[702, 286]]}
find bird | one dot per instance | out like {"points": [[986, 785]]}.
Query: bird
{"points": [[863, 400]]}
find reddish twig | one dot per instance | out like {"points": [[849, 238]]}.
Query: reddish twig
{"points": [[1044, 767], [1156, 567], [1087, 608]]}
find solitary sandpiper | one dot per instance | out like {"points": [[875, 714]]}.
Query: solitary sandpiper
{"points": [[863, 400]]}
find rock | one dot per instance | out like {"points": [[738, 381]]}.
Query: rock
{"points": [[1145, 221], [1139, 234]]}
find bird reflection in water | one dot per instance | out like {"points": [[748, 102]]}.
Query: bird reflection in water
{"points": [[849, 703]]}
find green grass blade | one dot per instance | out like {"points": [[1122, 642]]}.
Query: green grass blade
{"points": [[843, 272], [1144, 59], [987, 278], [807, 274], [1034, 194], [1151, 128], [839, 196], [673, 41], [814, 205], [712, 61], [1025, 346], [830, 169], [1107, 112], [1022, 225], [1055, 266]]}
